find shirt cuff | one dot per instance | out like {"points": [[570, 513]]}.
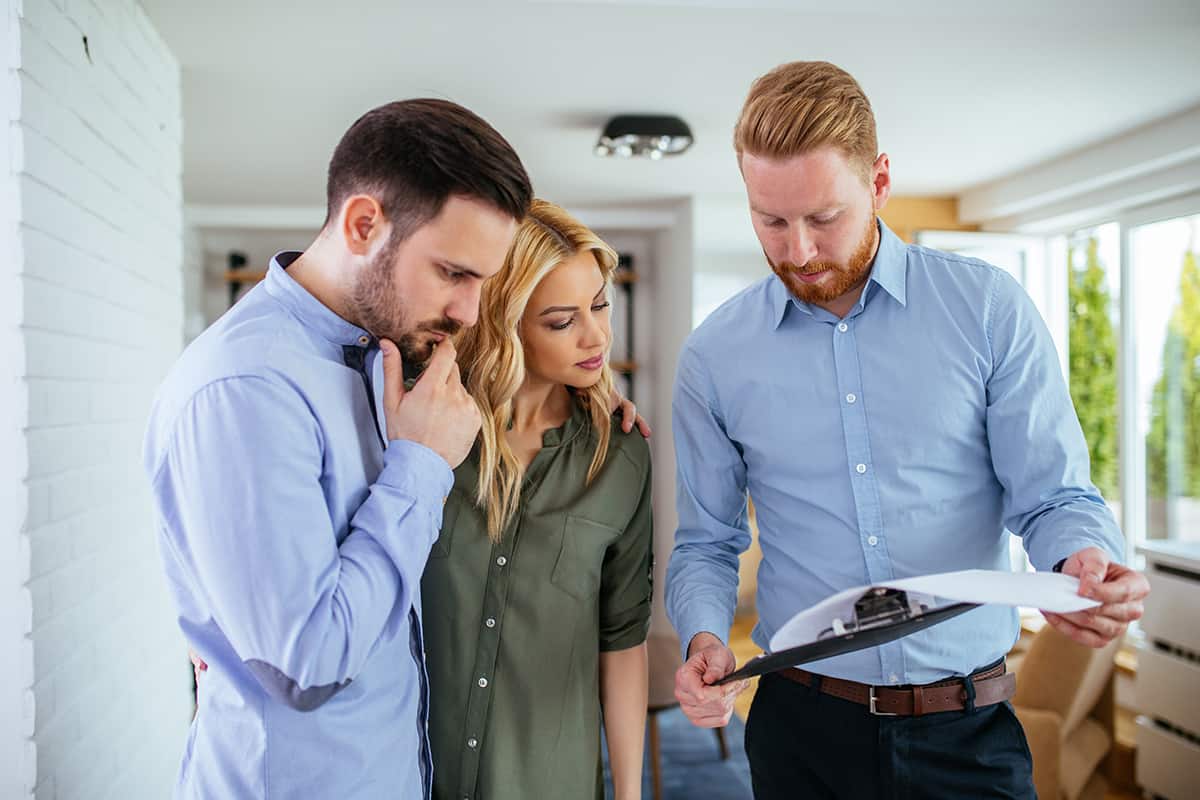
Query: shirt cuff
{"points": [[415, 470], [1065, 548], [707, 619]]}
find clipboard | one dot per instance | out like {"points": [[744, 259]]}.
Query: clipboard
{"points": [[888, 610], [848, 642]]}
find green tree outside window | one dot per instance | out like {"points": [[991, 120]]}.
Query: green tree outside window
{"points": [[1093, 364]]}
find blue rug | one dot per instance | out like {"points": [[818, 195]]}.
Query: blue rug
{"points": [[691, 762]]}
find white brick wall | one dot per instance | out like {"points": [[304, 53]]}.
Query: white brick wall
{"points": [[17, 756], [95, 161]]}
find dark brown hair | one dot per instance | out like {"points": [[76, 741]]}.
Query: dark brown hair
{"points": [[411, 155]]}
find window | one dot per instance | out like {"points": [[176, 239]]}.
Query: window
{"points": [[1165, 269]]}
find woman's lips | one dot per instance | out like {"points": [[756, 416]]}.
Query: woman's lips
{"points": [[595, 362]]}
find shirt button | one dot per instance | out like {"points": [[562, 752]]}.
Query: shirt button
{"points": [[894, 678], [843, 327], [850, 398], [872, 540], [472, 743], [860, 469], [502, 561], [483, 683], [364, 340], [490, 622]]}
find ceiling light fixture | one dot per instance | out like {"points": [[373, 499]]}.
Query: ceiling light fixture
{"points": [[648, 135]]}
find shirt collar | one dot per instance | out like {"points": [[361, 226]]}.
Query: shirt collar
{"points": [[311, 312], [888, 271]]}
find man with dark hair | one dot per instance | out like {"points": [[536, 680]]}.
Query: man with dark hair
{"points": [[299, 486]]}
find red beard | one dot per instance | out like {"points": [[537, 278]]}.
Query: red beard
{"points": [[843, 278]]}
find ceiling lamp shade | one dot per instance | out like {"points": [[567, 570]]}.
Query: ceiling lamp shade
{"points": [[649, 135]]}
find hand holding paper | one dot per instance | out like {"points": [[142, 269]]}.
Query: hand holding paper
{"points": [[1119, 590]]}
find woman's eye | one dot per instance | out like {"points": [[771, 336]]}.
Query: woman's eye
{"points": [[561, 326], [601, 306]]}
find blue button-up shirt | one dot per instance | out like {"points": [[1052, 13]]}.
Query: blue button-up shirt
{"points": [[901, 440], [293, 544]]}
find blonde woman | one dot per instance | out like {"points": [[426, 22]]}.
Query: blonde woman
{"points": [[537, 593]]}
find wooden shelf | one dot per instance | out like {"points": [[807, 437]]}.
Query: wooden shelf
{"points": [[628, 367], [244, 275]]}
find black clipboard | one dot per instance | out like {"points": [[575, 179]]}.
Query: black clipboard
{"points": [[845, 643]]}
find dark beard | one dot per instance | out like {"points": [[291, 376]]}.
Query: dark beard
{"points": [[845, 277], [380, 311]]}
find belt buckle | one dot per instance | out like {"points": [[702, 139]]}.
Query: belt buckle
{"points": [[871, 705]]}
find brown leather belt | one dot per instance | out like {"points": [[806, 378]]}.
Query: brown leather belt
{"points": [[992, 685]]}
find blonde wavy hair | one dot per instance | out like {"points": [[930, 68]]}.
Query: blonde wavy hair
{"points": [[493, 357], [799, 107]]}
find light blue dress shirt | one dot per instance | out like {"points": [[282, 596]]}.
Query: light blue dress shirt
{"points": [[907, 438], [293, 544]]}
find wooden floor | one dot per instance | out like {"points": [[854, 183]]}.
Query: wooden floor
{"points": [[744, 649]]}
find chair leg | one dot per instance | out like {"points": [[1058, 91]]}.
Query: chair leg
{"points": [[721, 741], [655, 768]]}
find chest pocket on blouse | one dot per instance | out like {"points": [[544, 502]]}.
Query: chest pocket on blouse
{"points": [[577, 570], [441, 547]]}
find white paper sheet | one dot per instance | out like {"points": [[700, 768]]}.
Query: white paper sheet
{"points": [[1049, 591]]}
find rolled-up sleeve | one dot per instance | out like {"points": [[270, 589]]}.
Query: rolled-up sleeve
{"points": [[1038, 450], [240, 485], [626, 579]]}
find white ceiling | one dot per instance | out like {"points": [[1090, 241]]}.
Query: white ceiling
{"points": [[964, 92]]}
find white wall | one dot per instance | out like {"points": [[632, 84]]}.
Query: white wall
{"points": [[95, 148], [727, 257], [671, 288], [195, 320], [16, 651]]}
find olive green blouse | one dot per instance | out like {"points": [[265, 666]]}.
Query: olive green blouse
{"points": [[514, 631]]}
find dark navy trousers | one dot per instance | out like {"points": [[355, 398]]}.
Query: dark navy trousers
{"points": [[803, 744]]}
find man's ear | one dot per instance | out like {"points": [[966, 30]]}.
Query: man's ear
{"points": [[361, 224], [881, 181]]}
